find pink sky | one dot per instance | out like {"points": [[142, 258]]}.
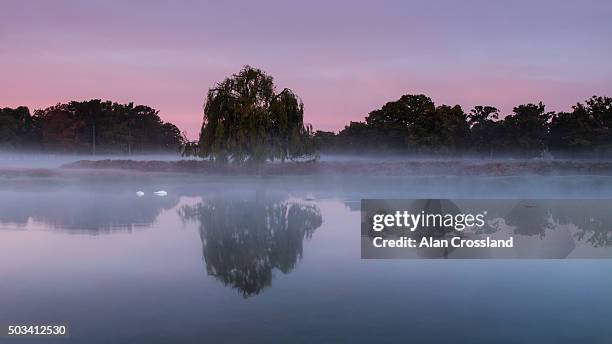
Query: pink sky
{"points": [[343, 58]]}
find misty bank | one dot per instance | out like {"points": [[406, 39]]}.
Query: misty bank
{"points": [[408, 167]]}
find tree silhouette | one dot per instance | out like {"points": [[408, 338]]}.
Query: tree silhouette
{"points": [[245, 120], [96, 126], [585, 130], [484, 128], [525, 131], [397, 120], [411, 124], [446, 129], [17, 128]]}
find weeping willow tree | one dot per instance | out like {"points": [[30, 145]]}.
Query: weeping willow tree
{"points": [[246, 121]]}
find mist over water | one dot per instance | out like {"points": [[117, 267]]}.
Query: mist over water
{"points": [[270, 258], [41, 160]]}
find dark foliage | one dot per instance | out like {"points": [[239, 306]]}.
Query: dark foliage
{"points": [[90, 126], [411, 124], [414, 124], [585, 130], [245, 120], [18, 130]]}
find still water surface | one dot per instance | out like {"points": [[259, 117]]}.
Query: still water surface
{"points": [[278, 260]]}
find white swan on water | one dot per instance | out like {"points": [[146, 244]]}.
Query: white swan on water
{"points": [[139, 193], [161, 193]]}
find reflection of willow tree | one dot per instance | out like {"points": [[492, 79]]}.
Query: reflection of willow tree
{"points": [[435, 207], [243, 241]]}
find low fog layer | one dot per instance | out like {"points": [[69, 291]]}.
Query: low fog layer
{"points": [[362, 175], [40, 160]]}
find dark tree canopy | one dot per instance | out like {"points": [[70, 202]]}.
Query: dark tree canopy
{"points": [[523, 133], [92, 126], [484, 129], [245, 120], [445, 129], [17, 128], [414, 124], [359, 135], [403, 121], [586, 129], [411, 124]]}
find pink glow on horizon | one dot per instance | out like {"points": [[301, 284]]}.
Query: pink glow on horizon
{"points": [[167, 56]]}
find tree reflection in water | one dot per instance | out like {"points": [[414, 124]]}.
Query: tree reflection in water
{"points": [[243, 241], [531, 218], [592, 218], [83, 211]]}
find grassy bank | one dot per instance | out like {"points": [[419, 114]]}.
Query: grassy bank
{"points": [[420, 167]]}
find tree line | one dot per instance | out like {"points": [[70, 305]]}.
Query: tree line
{"points": [[88, 127], [414, 124], [247, 121]]}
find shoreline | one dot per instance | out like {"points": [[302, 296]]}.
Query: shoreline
{"points": [[408, 167]]}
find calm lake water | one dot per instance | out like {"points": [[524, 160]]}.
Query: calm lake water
{"points": [[263, 260]]}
